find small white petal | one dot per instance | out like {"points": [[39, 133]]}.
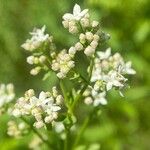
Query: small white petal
{"points": [[68, 16], [109, 86], [76, 10], [55, 108], [84, 12]]}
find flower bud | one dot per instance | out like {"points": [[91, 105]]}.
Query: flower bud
{"points": [[78, 46], [85, 22], [16, 113], [29, 93], [59, 99], [73, 29], [89, 51], [39, 124], [65, 24], [54, 91], [89, 36], [94, 44], [35, 71], [30, 60], [42, 59], [72, 51], [88, 100], [60, 75], [95, 24], [55, 66], [82, 38], [48, 119], [36, 60]]}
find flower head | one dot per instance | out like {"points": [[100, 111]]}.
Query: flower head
{"points": [[62, 63], [111, 70], [45, 106], [37, 39], [77, 13]]}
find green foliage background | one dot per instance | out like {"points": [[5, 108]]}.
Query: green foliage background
{"points": [[125, 122]]}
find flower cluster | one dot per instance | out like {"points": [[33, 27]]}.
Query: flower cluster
{"points": [[37, 60], [44, 108], [109, 71], [71, 21], [6, 95], [16, 130], [90, 34], [94, 96], [62, 63], [38, 45], [37, 40]]}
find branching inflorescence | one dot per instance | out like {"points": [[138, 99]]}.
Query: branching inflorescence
{"points": [[54, 110]]}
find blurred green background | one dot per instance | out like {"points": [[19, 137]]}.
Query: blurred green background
{"points": [[125, 122]]}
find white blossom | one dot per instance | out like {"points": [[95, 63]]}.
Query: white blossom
{"points": [[77, 13], [110, 70], [104, 55], [38, 38], [46, 105], [95, 97]]}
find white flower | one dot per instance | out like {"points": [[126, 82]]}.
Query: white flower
{"points": [[126, 68], [104, 55], [77, 13], [99, 98], [114, 79], [46, 105], [38, 37]]}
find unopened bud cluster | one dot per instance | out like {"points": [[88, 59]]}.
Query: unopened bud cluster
{"points": [[16, 129], [39, 62], [6, 95], [62, 64], [43, 108]]}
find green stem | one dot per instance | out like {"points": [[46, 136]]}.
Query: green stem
{"points": [[64, 92], [78, 97], [85, 86], [66, 144], [83, 127]]}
